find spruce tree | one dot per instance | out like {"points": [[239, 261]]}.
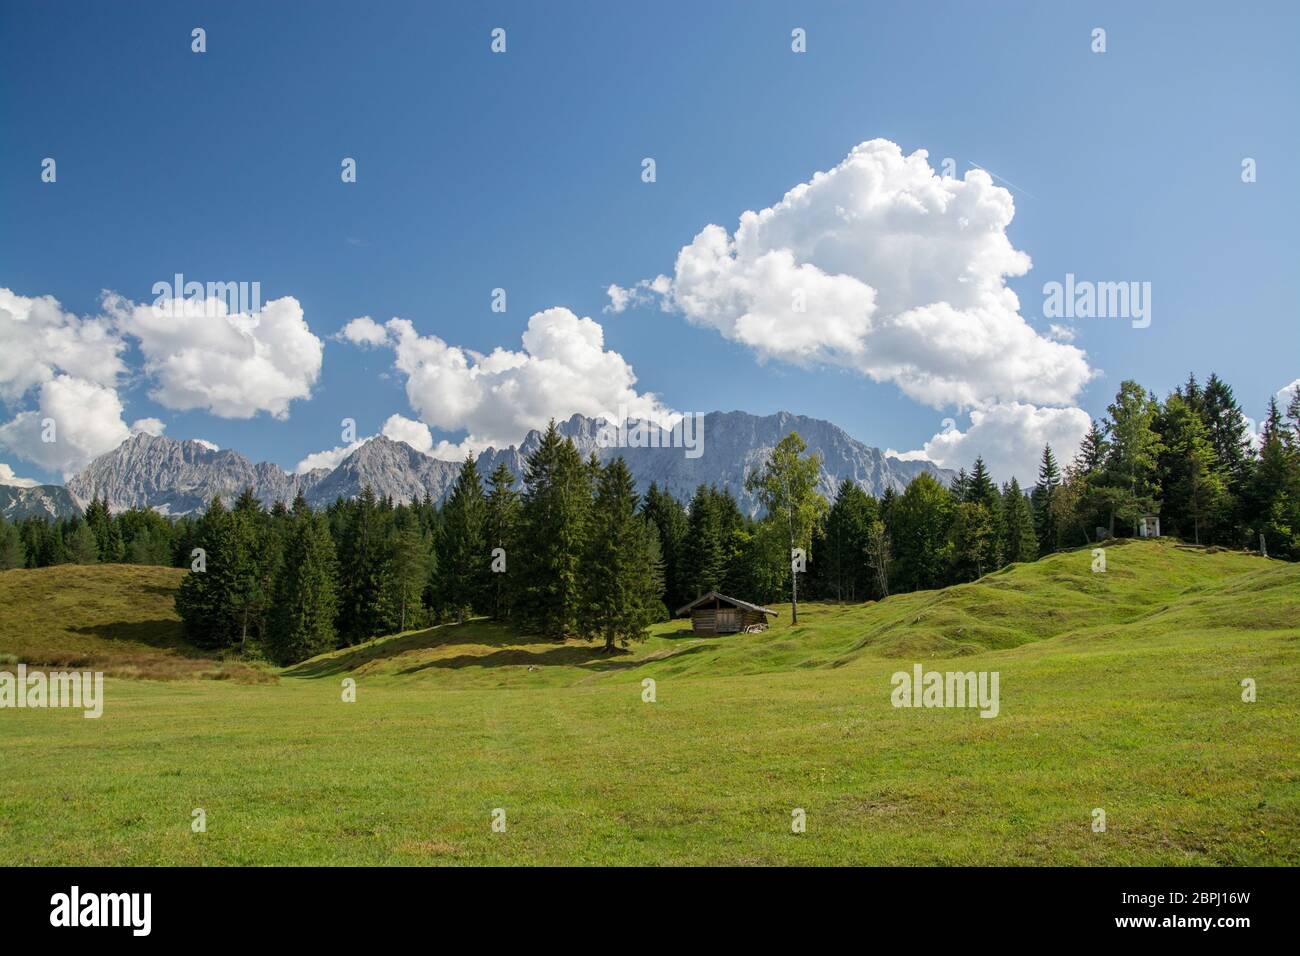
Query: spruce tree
{"points": [[556, 502], [406, 573], [302, 618], [1022, 541], [501, 530], [80, 544], [361, 568], [982, 491], [703, 555], [463, 557], [623, 579], [1274, 492], [1194, 490], [669, 518], [13, 553], [972, 541], [203, 601], [1046, 529], [248, 565], [920, 519]]}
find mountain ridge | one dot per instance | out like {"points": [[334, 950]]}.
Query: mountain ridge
{"points": [[178, 476]]}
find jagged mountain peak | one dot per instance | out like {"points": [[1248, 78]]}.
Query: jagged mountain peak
{"points": [[177, 476]]}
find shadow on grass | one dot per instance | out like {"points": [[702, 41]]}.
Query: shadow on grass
{"points": [[161, 633], [479, 631], [591, 657]]}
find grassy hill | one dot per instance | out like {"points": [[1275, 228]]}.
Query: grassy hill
{"points": [[115, 618], [1119, 691]]}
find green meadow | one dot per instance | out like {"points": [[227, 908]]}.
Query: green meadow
{"points": [[1119, 691]]}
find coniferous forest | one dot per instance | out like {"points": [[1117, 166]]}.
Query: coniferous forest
{"points": [[575, 551]]}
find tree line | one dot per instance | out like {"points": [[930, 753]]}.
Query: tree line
{"points": [[576, 551]]}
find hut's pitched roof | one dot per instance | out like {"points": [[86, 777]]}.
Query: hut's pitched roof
{"points": [[734, 602]]}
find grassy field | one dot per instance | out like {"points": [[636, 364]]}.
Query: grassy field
{"points": [[1119, 691]]}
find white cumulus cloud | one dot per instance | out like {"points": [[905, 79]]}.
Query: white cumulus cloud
{"points": [[363, 330], [563, 367], [397, 427], [884, 266], [7, 477], [234, 365], [1010, 436], [41, 341], [147, 426], [74, 422]]}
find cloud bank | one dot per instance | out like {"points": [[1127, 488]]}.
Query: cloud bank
{"points": [[883, 266], [562, 368]]}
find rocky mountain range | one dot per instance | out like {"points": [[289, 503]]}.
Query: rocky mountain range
{"points": [[37, 501], [177, 477]]}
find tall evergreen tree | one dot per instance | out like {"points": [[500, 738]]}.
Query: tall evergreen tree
{"points": [[1022, 540], [1046, 527], [405, 575], [704, 552], [669, 518], [556, 502], [362, 557], [13, 553], [302, 618], [1274, 493], [204, 601], [80, 544], [840, 544], [501, 530], [919, 524], [463, 557], [972, 540], [623, 576], [247, 566], [1194, 490], [1134, 455], [982, 491]]}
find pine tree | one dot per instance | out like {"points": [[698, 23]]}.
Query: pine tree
{"points": [[1131, 466], [623, 578], [81, 546], [463, 557], [982, 491], [669, 518], [972, 536], [1046, 529], [301, 622], [13, 553], [704, 557], [406, 572], [556, 502], [1022, 541], [1274, 492], [1228, 432], [361, 568], [1093, 450], [247, 566], [501, 530], [203, 601], [920, 519], [840, 571], [1194, 490]]}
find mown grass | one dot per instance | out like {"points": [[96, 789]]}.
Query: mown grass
{"points": [[1118, 690]]}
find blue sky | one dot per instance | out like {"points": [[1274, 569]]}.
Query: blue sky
{"points": [[523, 171]]}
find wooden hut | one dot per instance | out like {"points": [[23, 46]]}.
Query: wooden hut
{"points": [[715, 613]]}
